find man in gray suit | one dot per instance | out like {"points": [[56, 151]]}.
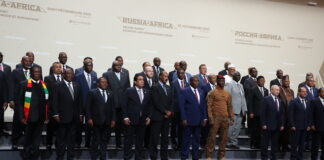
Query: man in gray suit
{"points": [[239, 109]]}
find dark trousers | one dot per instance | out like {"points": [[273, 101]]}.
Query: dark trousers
{"points": [[204, 135], [269, 135], [157, 128], [297, 144], [134, 132], [254, 131], [33, 136], [318, 138], [17, 128], [190, 134], [176, 130], [65, 139], [1, 118], [78, 132], [284, 138], [101, 134], [119, 126], [147, 135], [51, 129]]}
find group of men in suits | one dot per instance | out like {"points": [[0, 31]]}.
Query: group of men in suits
{"points": [[193, 108]]}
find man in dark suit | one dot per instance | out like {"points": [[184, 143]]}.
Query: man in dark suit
{"points": [[7, 71], [176, 67], [202, 75], [121, 61], [183, 65], [118, 82], [32, 58], [33, 111], [176, 129], [254, 102], [309, 74], [299, 122], [144, 65], [100, 115], [278, 80], [206, 88], [193, 116], [163, 103], [87, 81], [149, 78], [81, 69], [18, 75], [50, 82], [62, 59], [272, 121], [3, 99], [66, 110], [250, 82], [157, 69], [224, 72], [317, 124], [246, 76], [137, 108]]}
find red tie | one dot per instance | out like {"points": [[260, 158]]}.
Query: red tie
{"points": [[184, 78], [196, 94], [205, 78], [182, 84]]}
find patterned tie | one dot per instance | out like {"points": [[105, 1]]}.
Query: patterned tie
{"points": [[205, 78], [196, 95], [182, 84], [71, 90]]}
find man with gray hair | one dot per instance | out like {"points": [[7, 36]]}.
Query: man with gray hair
{"points": [[239, 109], [308, 75]]}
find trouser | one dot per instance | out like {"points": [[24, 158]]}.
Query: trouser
{"points": [[190, 134], [220, 127], [234, 130], [119, 127], [134, 132], [51, 129], [284, 138], [297, 144], [176, 129], [255, 131], [157, 128], [269, 135], [1, 117], [33, 136], [204, 135], [101, 134], [318, 138], [65, 139], [17, 127]]}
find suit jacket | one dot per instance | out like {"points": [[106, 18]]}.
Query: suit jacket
{"points": [[132, 107], [188, 76], [19, 65], [4, 92], [156, 76], [222, 72], [171, 76], [162, 101], [176, 88], [17, 76], [270, 116], [238, 97], [298, 116], [84, 87], [248, 85], [66, 66], [254, 100], [317, 112], [7, 74], [275, 82], [244, 78], [146, 84], [202, 81], [118, 87], [68, 109], [206, 88], [311, 96], [37, 110], [50, 82], [98, 110], [124, 70], [190, 109], [81, 70]]}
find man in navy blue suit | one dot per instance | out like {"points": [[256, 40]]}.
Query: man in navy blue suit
{"points": [[312, 93], [299, 122], [202, 75], [176, 129], [271, 115], [317, 124], [87, 81], [171, 73], [136, 106], [183, 65], [206, 88], [193, 117]]}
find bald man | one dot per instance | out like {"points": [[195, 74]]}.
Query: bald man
{"points": [[32, 59]]}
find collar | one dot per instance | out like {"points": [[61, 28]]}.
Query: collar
{"points": [[322, 100], [137, 89], [162, 84], [55, 75], [101, 90], [35, 81], [67, 83], [86, 73], [301, 99], [273, 96], [193, 89]]}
